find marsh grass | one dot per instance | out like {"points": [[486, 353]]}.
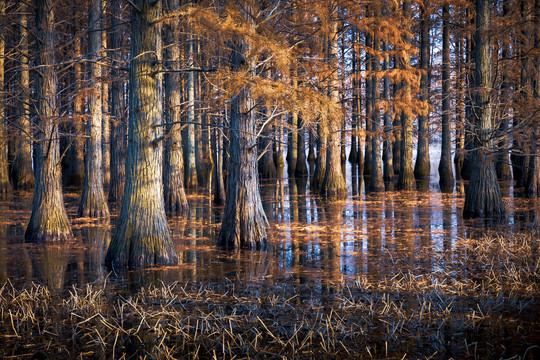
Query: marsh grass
{"points": [[483, 303]]}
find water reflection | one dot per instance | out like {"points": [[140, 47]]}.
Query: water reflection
{"points": [[311, 241]]}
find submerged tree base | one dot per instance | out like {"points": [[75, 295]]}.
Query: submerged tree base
{"points": [[483, 197]]}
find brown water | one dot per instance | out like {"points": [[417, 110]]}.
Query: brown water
{"points": [[310, 241]]}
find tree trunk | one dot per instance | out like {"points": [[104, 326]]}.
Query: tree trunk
{"points": [[93, 202], [5, 186], [446, 175], [376, 182], [217, 151], [23, 176], [468, 144], [353, 154], [387, 146], [118, 126], [422, 167], [533, 181], [334, 185], [483, 196], [191, 161], [292, 143], [267, 167], [75, 154], [173, 172], [396, 145], [320, 161], [460, 104], [244, 221], [369, 108], [301, 163], [106, 113], [311, 152], [142, 236], [406, 174], [49, 221]]}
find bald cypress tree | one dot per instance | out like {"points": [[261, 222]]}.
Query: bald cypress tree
{"points": [[244, 221], [49, 221], [483, 196], [93, 200], [142, 236]]}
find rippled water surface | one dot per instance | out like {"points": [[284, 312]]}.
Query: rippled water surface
{"points": [[310, 241]]}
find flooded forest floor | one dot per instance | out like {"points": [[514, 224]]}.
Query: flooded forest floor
{"points": [[392, 275]]}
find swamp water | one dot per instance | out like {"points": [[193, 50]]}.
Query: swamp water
{"points": [[379, 275]]}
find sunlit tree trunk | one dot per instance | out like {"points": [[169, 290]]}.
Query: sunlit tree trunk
{"points": [[142, 236], [93, 202], [388, 158], [49, 221], [445, 165], [23, 176], [483, 196], [244, 222], [191, 161], [5, 186], [422, 166], [376, 182], [173, 172], [106, 113], [118, 127], [406, 173], [334, 185]]}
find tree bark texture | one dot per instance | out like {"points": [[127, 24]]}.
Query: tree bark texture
{"points": [[142, 236], [49, 221], [483, 197], [93, 202], [244, 221], [406, 174], [75, 165], [369, 108], [388, 163], [376, 182], [422, 167], [333, 185], [173, 172], [23, 175], [353, 154], [446, 175], [191, 161], [118, 139], [106, 113]]}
